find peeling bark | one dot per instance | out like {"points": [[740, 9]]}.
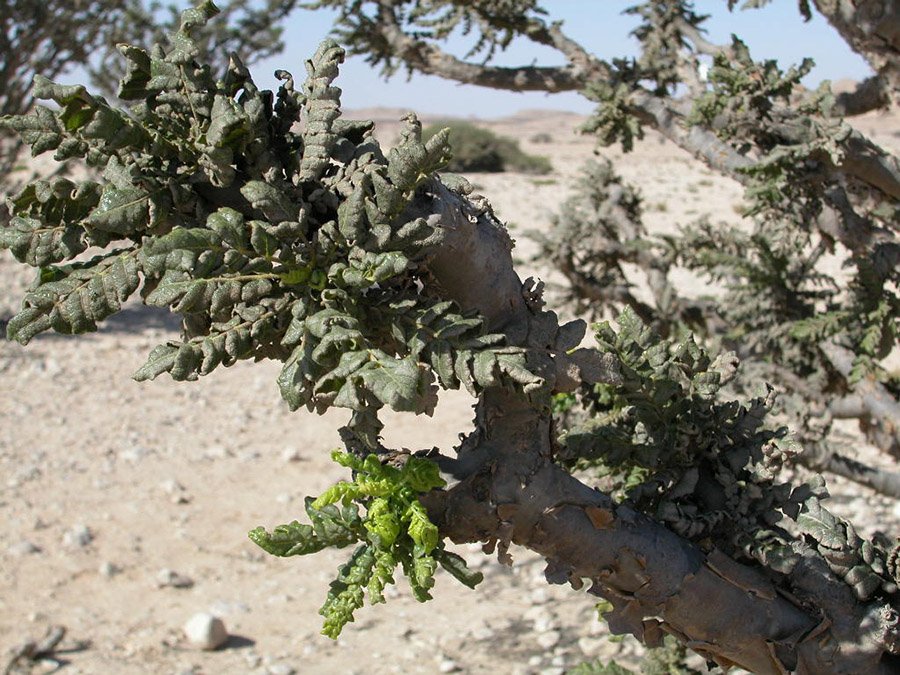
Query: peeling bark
{"points": [[508, 490]]}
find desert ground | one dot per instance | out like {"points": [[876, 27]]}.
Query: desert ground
{"points": [[124, 507]]}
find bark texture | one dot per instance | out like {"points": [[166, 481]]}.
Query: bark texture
{"points": [[506, 489], [872, 29]]}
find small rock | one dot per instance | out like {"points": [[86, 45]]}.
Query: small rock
{"points": [[78, 536], [284, 498], [553, 670], [896, 509], [134, 454], [170, 486], [535, 660], [539, 596], [175, 490], [448, 666], [172, 579], [549, 639], [599, 628], [280, 669], [108, 570], [205, 631], [482, 633], [501, 624], [23, 548], [289, 455], [216, 452], [543, 619], [24, 475], [592, 645]]}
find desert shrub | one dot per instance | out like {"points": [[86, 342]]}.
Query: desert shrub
{"points": [[475, 149], [278, 230]]}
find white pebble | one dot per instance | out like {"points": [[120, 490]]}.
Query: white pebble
{"points": [[215, 452], [134, 454], [539, 596], [78, 536], [482, 633], [22, 548], [549, 639], [280, 669], [448, 666], [591, 646], [205, 631], [108, 570], [173, 579], [290, 455]]}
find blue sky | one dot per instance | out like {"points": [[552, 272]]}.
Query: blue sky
{"points": [[776, 31]]}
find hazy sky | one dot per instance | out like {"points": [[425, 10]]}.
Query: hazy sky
{"points": [[776, 31]]}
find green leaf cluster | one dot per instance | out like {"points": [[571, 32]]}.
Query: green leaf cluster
{"points": [[862, 564], [671, 442], [395, 531], [613, 121], [274, 227], [662, 40], [665, 442], [744, 105], [779, 307]]}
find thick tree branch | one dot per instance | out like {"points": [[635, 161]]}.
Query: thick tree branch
{"points": [[880, 411], [872, 29], [429, 59], [863, 160], [870, 94], [510, 491], [880, 480]]}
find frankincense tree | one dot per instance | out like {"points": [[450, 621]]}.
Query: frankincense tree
{"points": [[278, 230]]}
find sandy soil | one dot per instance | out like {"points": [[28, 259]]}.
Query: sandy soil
{"points": [[105, 484]]}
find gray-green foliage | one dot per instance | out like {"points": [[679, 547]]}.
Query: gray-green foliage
{"points": [[49, 38], [613, 121], [249, 28], [492, 24], [669, 443], [661, 36], [270, 242], [278, 230], [475, 149], [596, 232]]}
